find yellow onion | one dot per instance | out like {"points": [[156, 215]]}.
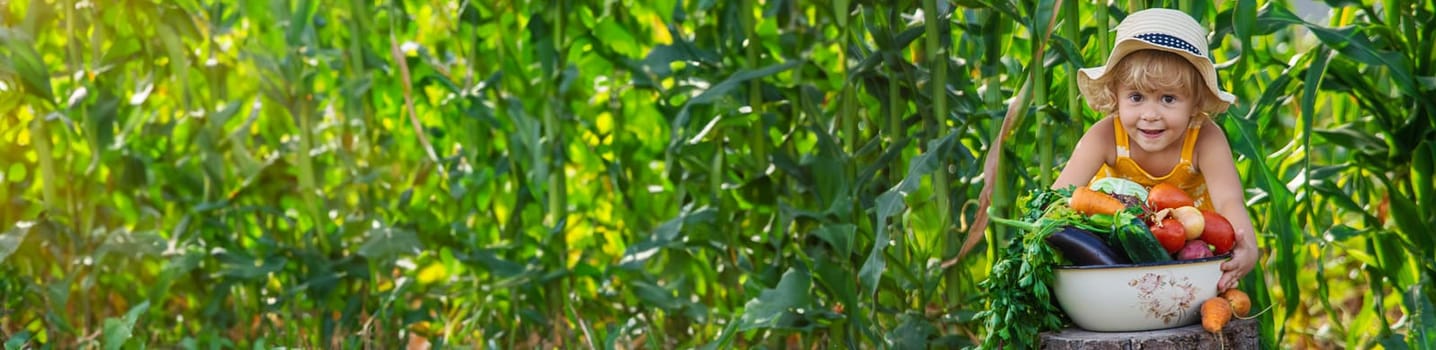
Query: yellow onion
{"points": [[1191, 220]]}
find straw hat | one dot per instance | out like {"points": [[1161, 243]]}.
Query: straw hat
{"points": [[1161, 29]]}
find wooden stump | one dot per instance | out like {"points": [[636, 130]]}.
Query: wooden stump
{"points": [[1239, 334]]}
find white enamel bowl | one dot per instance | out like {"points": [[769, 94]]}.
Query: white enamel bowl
{"points": [[1137, 297]]}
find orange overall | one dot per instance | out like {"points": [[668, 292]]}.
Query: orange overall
{"points": [[1184, 175]]}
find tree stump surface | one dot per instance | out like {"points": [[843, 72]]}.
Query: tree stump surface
{"points": [[1239, 334]]}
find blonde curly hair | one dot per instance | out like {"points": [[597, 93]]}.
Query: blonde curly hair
{"points": [[1152, 70]]}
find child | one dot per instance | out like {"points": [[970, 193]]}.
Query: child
{"points": [[1158, 91]]}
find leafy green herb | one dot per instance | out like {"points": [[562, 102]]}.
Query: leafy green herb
{"points": [[1021, 305]]}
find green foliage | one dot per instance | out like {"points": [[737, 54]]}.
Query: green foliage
{"points": [[118, 331], [661, 174], [1021, 304]]}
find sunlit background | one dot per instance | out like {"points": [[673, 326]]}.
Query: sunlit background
{"points": [[651, 174]]}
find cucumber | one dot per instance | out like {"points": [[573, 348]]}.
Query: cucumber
{"points": [[1137, 241]]}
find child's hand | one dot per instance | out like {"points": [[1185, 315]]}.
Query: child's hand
{"points": [[1244, 257]]}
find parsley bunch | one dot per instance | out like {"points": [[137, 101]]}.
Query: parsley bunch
{"points": [[1021, 302]]}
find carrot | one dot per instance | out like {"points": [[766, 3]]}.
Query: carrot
{"points": [[1241, 303], [1215, 314], [1087, 201]]}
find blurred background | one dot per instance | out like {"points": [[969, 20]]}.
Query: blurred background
{"points": [[652, 174]]}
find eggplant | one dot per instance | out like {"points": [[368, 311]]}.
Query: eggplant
{"points": [[1084, 248]]}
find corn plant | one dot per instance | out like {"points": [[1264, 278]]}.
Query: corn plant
{"points": [[652, 174]]}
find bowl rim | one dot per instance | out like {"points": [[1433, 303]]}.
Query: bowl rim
{"points": [[1224, 256]]}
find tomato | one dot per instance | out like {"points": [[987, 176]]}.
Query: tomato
{"points": [[1171, 234], [1165, 195], [1218, 232]]}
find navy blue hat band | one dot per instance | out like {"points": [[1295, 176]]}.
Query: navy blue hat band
{"points": [[1160, 39]]}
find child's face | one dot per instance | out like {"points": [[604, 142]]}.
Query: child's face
{"points": [[1155, 120]]}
